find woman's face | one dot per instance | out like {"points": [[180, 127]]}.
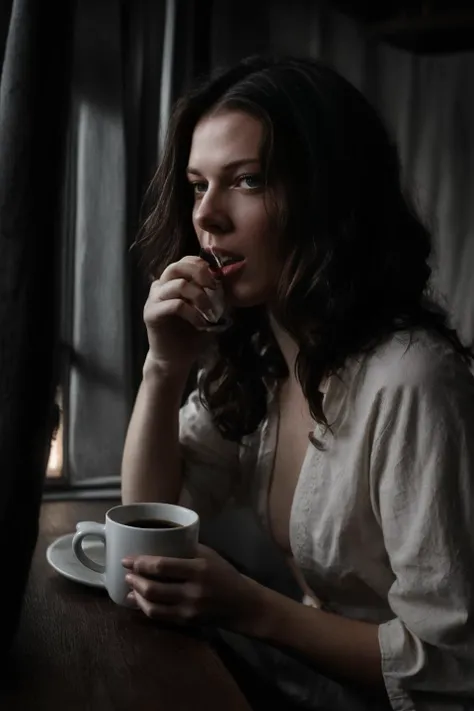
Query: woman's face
{"points": [[232, 210]]}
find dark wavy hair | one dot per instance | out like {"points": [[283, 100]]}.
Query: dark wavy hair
{"points": [[355, 252]]}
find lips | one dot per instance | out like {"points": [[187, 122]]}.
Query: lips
{"points": [[218, 259], [232, 268]]}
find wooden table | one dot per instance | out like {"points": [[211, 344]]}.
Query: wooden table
{"points": [[77, 650]]}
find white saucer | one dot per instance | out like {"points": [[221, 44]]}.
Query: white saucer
{"points": [[61, 557]]}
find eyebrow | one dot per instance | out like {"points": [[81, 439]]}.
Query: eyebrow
{"points": [[227, 167]]}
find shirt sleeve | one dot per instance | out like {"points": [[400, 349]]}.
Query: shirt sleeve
{"points": [[211, 468], [422, 469]]}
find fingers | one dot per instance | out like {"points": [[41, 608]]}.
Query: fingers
{"points": [[154, 311], [182, 289], [180, 292], [192, 269], [154, 591], [178, 602], [168, 568], [182, 614]]}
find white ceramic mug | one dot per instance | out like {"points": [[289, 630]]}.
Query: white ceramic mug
{"points": [[122, 540]]}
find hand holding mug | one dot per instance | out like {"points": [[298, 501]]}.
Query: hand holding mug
{"points": [[206, 588], [149, 529]]}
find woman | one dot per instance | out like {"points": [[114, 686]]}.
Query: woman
{"points": [[338, 403]]}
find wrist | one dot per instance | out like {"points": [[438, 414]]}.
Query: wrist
{"points": [[261, 614], [159, 373]]}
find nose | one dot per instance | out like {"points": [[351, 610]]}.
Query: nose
{"points": [[211, 215]]}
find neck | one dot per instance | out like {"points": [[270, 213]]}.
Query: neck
{"points": [[288, 346]]}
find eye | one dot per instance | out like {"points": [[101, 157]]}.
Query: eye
{"points": [[199, 188], [250, 181]]}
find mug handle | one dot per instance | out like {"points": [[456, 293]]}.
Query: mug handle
{"points": [[83, 529]]}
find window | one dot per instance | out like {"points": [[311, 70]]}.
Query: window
{"points": [[56, 459]]}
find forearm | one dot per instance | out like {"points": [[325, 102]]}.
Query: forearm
{"points": [[340, 647], [151, 464]]}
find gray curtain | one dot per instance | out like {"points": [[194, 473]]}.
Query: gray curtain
{"points": [[33, 108], [113, 145], [97, 322], [131, 61]]}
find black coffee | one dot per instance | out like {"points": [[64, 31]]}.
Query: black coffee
{"points": [[153, 523]]}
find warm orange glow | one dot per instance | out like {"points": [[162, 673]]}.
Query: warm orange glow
{"points": [[55, 462]]}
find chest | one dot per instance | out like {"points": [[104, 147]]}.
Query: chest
{"points": [[294, 424]]}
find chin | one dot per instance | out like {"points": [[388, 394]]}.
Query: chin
{"points": [[243, 297]]}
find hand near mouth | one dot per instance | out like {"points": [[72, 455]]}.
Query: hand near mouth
{"points": [[221, 320], [211, 258]]}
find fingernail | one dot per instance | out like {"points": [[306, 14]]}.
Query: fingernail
{"points": [[207, 314], [132, 601], [127, 562], [129, 579], [210, 315]]}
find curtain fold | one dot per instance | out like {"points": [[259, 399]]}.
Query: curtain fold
{"points": [[118, 57], [98, 329], [33, 112], [131, 61]]}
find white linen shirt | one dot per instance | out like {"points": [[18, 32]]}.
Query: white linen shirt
{"points": [[382, 520]]}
